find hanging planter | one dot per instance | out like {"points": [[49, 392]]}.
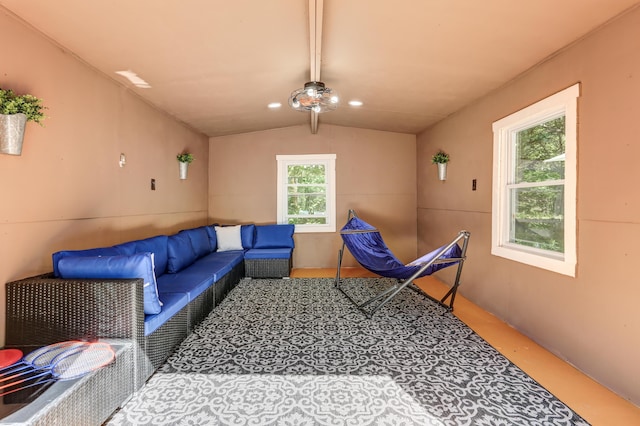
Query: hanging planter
{"points": [[442, 171], [184, 169], [15, 111], [12, 133], [184, 160], [441, 159]]}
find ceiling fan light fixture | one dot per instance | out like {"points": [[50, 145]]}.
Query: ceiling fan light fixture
{"points": [[314, 96]]}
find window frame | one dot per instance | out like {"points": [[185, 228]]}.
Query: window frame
{"points": [[505, 130], [329, 161]]}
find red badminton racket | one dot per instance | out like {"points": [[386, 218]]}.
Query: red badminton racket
{"points": [[68, 366], [8, 357]]}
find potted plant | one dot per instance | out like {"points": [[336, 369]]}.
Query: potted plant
{"points": [[15, 111], [184, 159], [441, 158]]}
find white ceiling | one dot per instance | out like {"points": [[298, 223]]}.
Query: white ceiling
{"points": [[216, 64]]}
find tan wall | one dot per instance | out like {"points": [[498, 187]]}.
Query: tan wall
{"points": [[375, 174], [66, 190], [591, 320]]}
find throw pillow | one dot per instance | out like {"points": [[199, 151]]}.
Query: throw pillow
{"points": [[229, 238]]}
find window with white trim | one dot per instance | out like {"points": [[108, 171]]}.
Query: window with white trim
{"points": [[534, 184], [307, 191]]}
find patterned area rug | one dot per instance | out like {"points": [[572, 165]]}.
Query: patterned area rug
{"points": [[296, 352]]}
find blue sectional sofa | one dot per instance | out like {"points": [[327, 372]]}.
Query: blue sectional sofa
{"points": [[270, 255], [153, 291]]}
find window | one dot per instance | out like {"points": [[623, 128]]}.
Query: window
{"points": [[534, 184], [307, 192]]}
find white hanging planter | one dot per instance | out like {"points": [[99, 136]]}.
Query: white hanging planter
{"points": [[184, 168], [12, 133], [442, 171], [441, 159]]}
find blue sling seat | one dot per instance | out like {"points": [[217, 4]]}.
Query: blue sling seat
{"points": [[366, 245]]}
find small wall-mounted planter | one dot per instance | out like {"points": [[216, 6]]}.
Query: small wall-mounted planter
{"points": [[442, 171], [12, 133], [441, 159], [184, 168], [183, 160]]}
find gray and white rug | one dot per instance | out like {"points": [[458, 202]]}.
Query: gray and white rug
{"points": [[296, 352]]}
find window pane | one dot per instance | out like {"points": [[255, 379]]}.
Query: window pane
{"points": [[297, 189], [306, 173], [540, 152], [308, 220], [538, 217], [306, 192], [306, 204]]}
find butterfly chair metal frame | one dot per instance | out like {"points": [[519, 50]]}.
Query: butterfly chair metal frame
{"points": [[437, 260]]}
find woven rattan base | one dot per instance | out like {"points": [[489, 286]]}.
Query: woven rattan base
{"points": [[267, 268]]}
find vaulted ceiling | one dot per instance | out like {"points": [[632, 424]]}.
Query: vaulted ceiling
{"points": [[216, 64]]}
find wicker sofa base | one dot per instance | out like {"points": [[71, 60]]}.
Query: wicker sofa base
{"points": [[268, 268], [89, 400], [42, 310]]}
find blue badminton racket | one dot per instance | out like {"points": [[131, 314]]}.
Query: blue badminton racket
{"points": [[70, 365], [39, 359]]}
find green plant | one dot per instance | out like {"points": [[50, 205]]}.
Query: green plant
{"points": [[29, 105], [185, 157], [440, 157]]}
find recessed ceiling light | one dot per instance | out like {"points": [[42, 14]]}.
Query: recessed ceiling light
{"points": [[355, 103], [274, 105], [133, 78]]}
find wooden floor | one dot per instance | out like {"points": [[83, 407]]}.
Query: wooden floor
{"points": [[592, 401]]}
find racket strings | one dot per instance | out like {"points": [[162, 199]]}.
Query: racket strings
{"points": [[74, 362], [41, 358], [84, 362]]}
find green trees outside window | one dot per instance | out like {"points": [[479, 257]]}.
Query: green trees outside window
{"points": [[306, 194], [537, 189]]}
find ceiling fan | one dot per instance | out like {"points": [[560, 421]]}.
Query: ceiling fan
{"points": [[315, 97]]}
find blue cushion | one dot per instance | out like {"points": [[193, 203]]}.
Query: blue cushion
{"points": [[247, 235], [213, 240], [220, 263], [105, 251], [192, 281], [199, 241], [173, 303], [139, 265], [180, 252], [281, 253], [127, 248], [274, 236], [156, 245]]}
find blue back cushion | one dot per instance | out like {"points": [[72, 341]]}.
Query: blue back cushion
{"points": [[104, 251], [139, 265], [199, 241], [274, 236], [213, 240], [180, 252], [127, 248], [156, 245], [247, 235]]}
